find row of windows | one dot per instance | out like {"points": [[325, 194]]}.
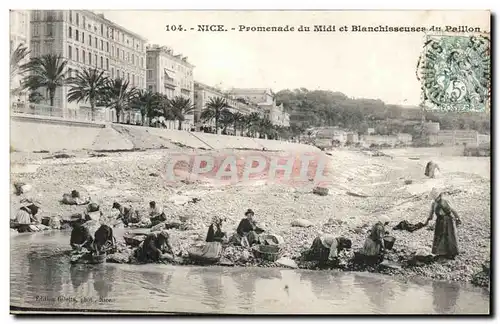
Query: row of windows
{"points": [[97, 43], [110, 32], [104, 46], [171, 66], [133, 79], [182, 83], [83, 58]]}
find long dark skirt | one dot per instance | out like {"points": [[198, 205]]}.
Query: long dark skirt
{"points": [[318, 252], [445, 237]]}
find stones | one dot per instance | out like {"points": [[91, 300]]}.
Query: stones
{"points": [[287, 262], [245, 256], [320, 191], [301, 223]]}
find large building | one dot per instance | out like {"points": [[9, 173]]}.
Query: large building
{"points": [[202, 95], [19, 35], [170, 74], [265, 99], [87, 39]]}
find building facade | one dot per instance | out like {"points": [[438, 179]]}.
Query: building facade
{"points": [[455, 137], [88, 40], [170, 74], [19, 35], [202, 95], [265, 99]]}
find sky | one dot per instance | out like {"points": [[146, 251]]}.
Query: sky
{"points": [[361, 65]]}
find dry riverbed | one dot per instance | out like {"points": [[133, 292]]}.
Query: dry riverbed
{"points": [[382, 182]]}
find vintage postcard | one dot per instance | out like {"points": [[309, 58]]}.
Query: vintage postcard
{"points": [[250, 162]]}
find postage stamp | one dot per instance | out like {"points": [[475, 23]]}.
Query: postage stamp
{"points": [[455, 73]]}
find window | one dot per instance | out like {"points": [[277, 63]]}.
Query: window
{"points": [[95, 57], [49, 30], [150, 74], [133, 59], [69, 72], [84, 21], [150, 88], [118, 74], [128, 76], [112, 50], [76, 35], [83, 56], [102, 29], [70, 52], [102, 62], [123, 37], [141, 63], [107, 47], [77, 19], [90, 58], [95, 42], [133, 80], [102, 45], [83, 37], [70, 32], [107, 64], [112, 73], [77, 55], [90, 40], [117, 52], [71, 16]]}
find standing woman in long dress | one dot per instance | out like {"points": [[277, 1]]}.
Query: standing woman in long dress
{"points": [[445, 232]]}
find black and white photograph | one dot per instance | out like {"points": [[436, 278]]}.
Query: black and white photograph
{"points": [[250, 162]]}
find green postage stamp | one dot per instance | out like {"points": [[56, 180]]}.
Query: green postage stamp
{"points": [[455, 73]]}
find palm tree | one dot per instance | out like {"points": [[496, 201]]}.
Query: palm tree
{"points": [[119, 95], [213, 110], [265, 126], [226, 119], [253, 122], [16, 57], [148, 103], [238, 120], [180, 106], [88, 85], [46, 71], [165, 108]]}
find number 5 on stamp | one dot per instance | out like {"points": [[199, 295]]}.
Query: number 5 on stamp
{"points": [[455, 73]]}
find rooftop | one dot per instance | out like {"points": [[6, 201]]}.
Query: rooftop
{"points": [[102, 17], [168, 51]]}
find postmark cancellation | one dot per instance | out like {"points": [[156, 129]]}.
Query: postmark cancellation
{"points": [[455, 73]]}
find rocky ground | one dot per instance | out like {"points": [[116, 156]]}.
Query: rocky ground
{"points": [[362, 187]]}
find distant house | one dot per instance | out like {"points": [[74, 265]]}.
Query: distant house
{"points": [[455, 137]]}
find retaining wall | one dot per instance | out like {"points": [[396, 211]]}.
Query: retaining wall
{"points": [[30, 133]]}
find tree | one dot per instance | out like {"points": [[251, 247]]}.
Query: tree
{"points": [[165, 108], [180, 107], [149, 104], [35, 97], [226, 119], [88, 85], [46, 71], [238, 120], [213, 110], [265, 127], [17, 55], [118, 95], [253, 122]]}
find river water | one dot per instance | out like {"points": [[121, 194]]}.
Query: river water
{"points": [[41, 278]]}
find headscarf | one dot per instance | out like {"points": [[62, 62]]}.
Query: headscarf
{"points": [[216, 220], [165, 234], [384, 219], [434, 194]]}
